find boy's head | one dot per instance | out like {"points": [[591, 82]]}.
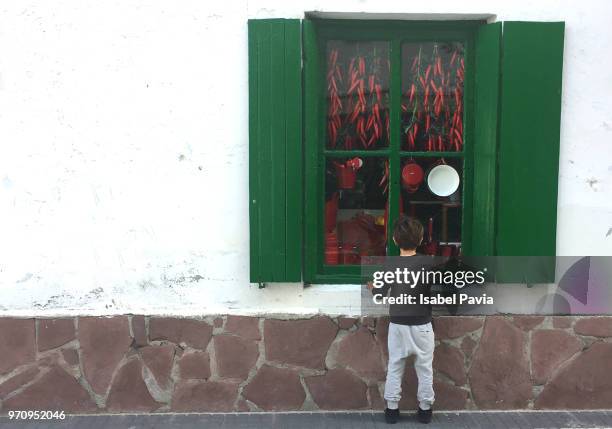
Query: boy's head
{"points": [[407, 233]]}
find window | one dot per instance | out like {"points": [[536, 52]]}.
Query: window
{"points": [[413, 117], [394, 105]]}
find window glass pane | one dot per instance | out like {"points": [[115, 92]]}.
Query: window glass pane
{"points": [[356, 192], [432, 96], [357, 108], [431, 192]]}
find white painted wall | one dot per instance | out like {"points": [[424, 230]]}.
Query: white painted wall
{"points": [[124, 151]]}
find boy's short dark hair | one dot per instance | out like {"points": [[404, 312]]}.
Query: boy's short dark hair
{"points": [[408, 232]]}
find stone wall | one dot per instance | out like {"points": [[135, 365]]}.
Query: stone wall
{"points": [[233, 363]]}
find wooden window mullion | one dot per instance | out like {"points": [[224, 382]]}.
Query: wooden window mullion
{"points": [[395, 93]]}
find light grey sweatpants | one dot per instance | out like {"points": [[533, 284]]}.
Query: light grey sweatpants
{"points": [[403, 341]]}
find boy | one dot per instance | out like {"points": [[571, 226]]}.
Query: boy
{"points": [[410, 330]]}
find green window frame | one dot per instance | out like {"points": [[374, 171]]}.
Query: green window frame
{"points": [[511, 150], [316, 35]]}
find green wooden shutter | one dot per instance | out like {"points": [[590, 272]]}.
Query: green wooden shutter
{"points": [[486, 105], [275, 150], [528, 153]]}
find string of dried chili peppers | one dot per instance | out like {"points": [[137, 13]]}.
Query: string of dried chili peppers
{"points": [[363, 118], [432, 104]]}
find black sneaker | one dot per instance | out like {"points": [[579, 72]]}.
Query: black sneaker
{"points": [[391, 416], [424, 416]]}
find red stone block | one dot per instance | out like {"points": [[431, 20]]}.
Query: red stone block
{"points": [[194, 365], [129, 393], [449, 361], [104, 341], [449, 397], [527, 323], [53, 333], [449, 327], [299, 342], [243, 326], [275, 389], [205, 396], [584, 383], [594, 326], [549, 349], [499, 375], [359, 351], [382, 334], [18, 380], [17, 343], [192, 332], [338, 389], [55, 390], [562, 322], [159, 360], [235, 356]]}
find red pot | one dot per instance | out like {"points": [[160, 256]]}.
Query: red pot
{"points": [[346, 177], [347, 172], [412, 176]]}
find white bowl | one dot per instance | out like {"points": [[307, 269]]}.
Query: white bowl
{"points": [[443, 180]]}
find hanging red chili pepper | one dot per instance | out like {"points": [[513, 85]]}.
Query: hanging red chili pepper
{"points": [[387, 125], [339, 74], [377, 112], [353, 86], [458, 136], [370, 122], [435, 102]]}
